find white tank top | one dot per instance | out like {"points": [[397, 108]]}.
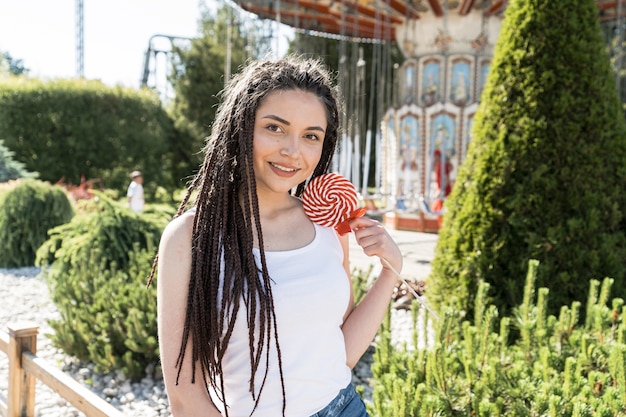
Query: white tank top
{"points": [[311, 294]]}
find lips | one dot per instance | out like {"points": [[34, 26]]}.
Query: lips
{"points": [[282, 169]]}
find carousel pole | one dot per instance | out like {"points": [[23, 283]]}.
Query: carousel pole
{"points": [[359, 81], [341, 163], [387, 93], [376, 59], [277, 36], [353, 108]]}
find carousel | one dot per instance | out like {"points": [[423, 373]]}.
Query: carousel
{"points": [[426, 128]]}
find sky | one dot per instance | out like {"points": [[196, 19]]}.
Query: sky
{"points": [[42, 33]]}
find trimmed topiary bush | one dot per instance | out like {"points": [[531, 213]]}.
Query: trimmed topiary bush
{"points": [[545, 171], [96, 267], [68, 130], [27, 211]]}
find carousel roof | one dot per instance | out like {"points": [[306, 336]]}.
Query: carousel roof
{"points": [[377, 19]]}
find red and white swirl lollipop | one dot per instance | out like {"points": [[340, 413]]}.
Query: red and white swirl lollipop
{"points": [[331, 200]]}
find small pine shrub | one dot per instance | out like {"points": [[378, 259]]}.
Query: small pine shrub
{"points": [[96, 267], [27, 211], [361, 282], [560, 365]]}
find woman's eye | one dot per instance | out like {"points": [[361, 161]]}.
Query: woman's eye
{"points": [[312, 136], [273, 128]]}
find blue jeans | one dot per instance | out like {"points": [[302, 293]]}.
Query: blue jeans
{"points": [[346, 404]]}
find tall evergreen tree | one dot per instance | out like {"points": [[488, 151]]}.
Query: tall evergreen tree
{"points": [[545, 173]]}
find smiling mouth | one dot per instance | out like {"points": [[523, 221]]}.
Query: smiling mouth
{"points": [[282, 168]]}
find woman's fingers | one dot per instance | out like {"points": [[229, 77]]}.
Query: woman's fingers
{"points": [[372, 236]]}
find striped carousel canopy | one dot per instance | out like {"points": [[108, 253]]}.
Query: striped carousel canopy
{"points": [[378, 19]]}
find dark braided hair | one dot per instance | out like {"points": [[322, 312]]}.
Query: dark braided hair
{"points": [[226, 212]]}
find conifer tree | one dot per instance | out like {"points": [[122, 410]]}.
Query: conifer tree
{"points": [[545, 172], [11, 169]]}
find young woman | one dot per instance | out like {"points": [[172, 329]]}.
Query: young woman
{"points": [[256, 311]]}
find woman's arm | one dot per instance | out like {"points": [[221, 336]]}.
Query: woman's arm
{"points": [[186, 399], [362, 322]]}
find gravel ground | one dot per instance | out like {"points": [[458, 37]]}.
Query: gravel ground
{"points": [[24, 297]]}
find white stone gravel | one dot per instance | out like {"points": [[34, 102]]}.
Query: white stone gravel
{"points": [[24, 297]]}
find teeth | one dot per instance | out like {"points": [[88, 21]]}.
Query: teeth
{"points": [[283, 168]]}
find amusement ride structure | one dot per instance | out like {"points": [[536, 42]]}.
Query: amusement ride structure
{"points": [[431, 98], [423, 134]]}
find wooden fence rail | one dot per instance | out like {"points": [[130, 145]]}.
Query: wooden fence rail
{"points": [[20, 345]]}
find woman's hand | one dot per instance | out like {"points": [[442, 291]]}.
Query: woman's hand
{"points": [[372, 236]]}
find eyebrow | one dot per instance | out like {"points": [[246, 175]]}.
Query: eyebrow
{"points": [[281, 120]]}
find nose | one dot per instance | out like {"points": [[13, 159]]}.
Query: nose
{"points": [[290, 146]]}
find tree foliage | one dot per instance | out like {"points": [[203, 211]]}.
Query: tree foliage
{"points": [[545, 171], [11, 66], [197, 78], [11, 169]]}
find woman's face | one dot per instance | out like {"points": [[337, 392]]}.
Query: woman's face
{"points": [[289, 131]]}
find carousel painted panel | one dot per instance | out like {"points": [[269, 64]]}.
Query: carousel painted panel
{"points": [[460, 75], [431, 80], [483, 73], [408, 82], [408, 161], [442, 159], [468, 126], [388, 151]]}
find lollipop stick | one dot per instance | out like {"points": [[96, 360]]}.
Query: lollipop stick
{"points": [[411, 290]]}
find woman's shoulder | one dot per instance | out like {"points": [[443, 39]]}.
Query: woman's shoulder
{"points": [[182, 222], [179, 230]]}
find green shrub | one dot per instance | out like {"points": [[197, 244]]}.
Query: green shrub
{"points": [[68, 130], [557, 367], [27, 211], [159, 212], [545, 171], [96, 267]]}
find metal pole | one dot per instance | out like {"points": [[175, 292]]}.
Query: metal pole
{"points": [[80, 39]]}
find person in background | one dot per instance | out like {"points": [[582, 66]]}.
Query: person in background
{"points": [[256, 312], [135, 192]]}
